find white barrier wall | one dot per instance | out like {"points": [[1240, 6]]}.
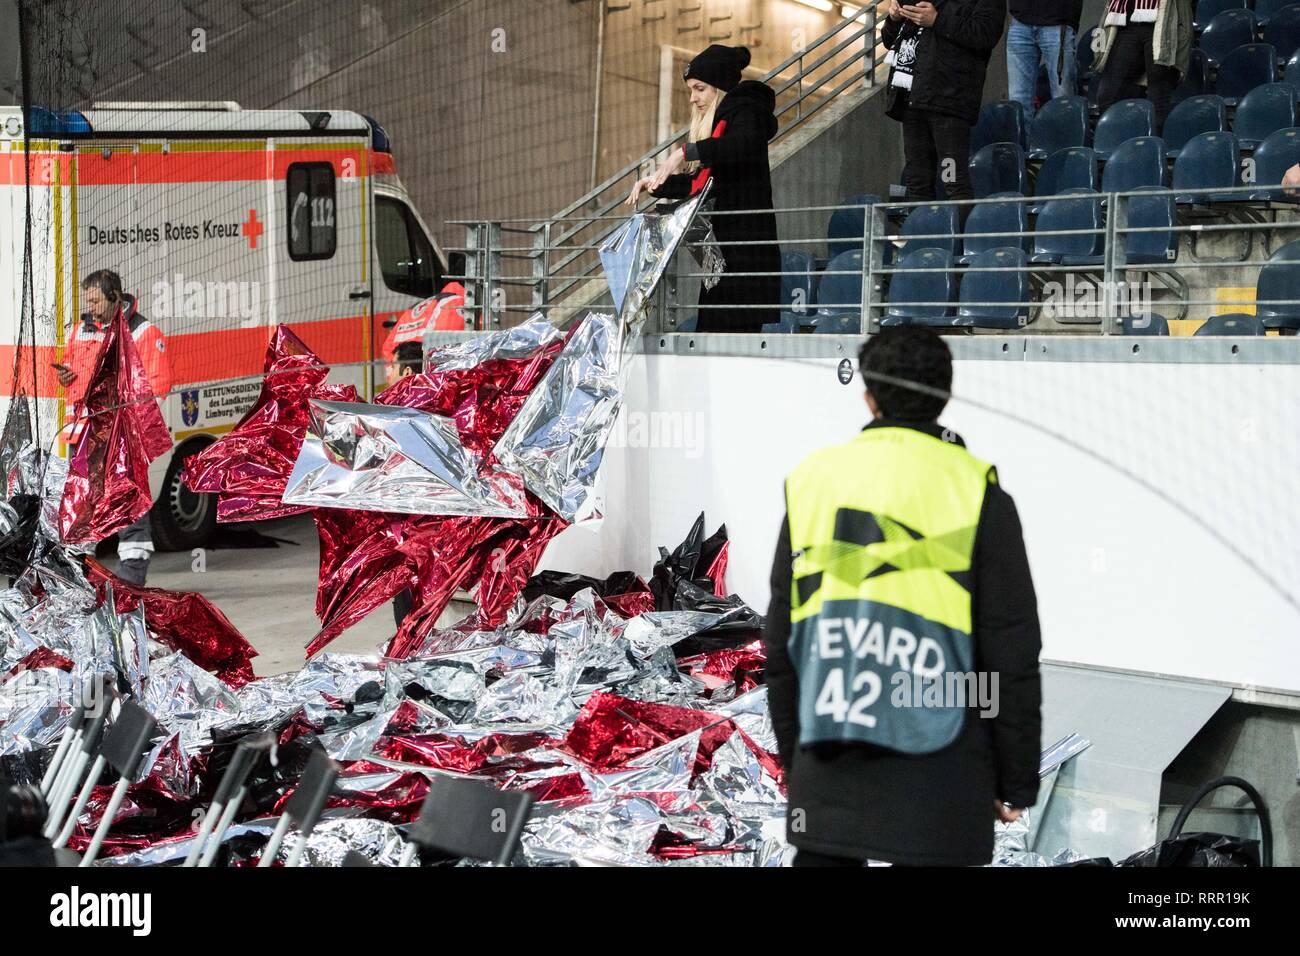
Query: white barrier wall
{"points": [[1131, 516]]}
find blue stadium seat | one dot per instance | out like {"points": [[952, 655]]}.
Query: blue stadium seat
{"points": [[1197, 80], [1264, 9], [1264, 110], [995, 217], [1073, 168], [1153, 210], [1292, 72], [1244, 69], [999, 122], [1227, 31], [1283, 31], [1008, 289], [838, 323], [1083, 212], [998, 168], [1135, 163], [932, 220], [688, 324], [1207, 10], [906, 289], [1144, 323], [1208, 161], [1279, 280], [1124, 120], [787, 324], [838, 294], [1233, 323], [1273, 157], [846, 227], [1196, 114], [796, 287], [1061, 123]]}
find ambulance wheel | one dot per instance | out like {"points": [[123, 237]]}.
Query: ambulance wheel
{"points": [[182, 519]]}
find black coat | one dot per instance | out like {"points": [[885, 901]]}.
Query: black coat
{"points": [[742, 179], [953, 56], [864, 802]]}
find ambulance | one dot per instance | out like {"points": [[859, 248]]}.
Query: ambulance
{"points": [[223, 223]]}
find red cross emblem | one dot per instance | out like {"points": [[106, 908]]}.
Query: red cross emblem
{"points": [[252, 229]]}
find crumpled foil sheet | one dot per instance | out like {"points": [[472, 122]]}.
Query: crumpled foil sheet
{"points": [[636, 255], [248, 467], [395, 459], [107, 485]]}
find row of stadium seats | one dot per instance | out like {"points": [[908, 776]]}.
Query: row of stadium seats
{"points": [[1206, 160], [930, 286], [1063, 122]]}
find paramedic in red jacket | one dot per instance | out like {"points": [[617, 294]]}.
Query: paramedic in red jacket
{"points": [[102, 291]]}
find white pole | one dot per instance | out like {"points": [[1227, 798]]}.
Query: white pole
{"points": [[200, 838], [57, 760], [273, 845], [227, 814], [101, 831], [70, 824]]}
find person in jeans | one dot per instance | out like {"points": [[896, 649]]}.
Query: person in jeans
{"points": [[1144, 37], [940, 54], [1041, 32]]}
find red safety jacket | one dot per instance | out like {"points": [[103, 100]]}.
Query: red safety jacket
{"points": [[82, 350]]}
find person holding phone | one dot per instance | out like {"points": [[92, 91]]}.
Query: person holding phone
{"points": [[103, 297], [940, 55]]}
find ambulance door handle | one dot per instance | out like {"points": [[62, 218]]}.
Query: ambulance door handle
{"points": [[359, 294]]}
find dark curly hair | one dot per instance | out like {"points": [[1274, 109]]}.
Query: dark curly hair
{"points": [[410, 355], [908, 370]]}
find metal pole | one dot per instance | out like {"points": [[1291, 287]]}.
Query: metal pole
{"points": [[57, 760], [59, 803], [227, 814], [868, 274], [205, 828], [70, 822], [600, 72], [1118, 210], [879, 228], [493, 269], [273, 844], [119, 794]]}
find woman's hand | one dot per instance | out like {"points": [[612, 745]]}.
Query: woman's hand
{"points": [[668, 167], [656, 179], [641, 185], [895, 11]]}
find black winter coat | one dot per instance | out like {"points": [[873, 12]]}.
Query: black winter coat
{"points": [[953, 56], [864, 802], [742, 179]]}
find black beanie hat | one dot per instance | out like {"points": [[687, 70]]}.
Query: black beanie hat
{"points": [[718, 66]]}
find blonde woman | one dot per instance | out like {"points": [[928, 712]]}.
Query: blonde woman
{"points": [[732, 121]]}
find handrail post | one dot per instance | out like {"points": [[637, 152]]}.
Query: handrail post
{"points": [[869, 48], [495, 291], [876, 228], [1115, 221], [541, 266], [475, 294]]}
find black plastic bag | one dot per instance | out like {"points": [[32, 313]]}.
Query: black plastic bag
{"points": [[1211, 849]]}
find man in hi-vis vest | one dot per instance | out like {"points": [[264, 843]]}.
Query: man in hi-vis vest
{"points": [[902, 639]]}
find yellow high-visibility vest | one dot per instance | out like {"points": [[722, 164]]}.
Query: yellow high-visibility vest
{"points": [[882, 529]]}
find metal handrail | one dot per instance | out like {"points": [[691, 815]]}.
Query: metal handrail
{"points": [[1107, 273], [554, 253]]}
